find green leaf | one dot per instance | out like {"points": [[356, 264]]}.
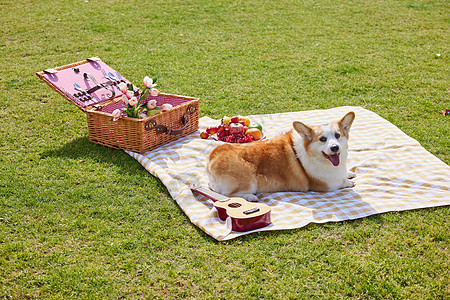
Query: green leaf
{"points": [[153, 111]]}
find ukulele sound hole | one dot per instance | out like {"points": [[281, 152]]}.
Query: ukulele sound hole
{"points": [[235, 205]]}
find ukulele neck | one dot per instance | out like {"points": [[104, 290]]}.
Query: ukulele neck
{"points": [[211, 194]]}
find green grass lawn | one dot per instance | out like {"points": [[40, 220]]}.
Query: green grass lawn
{"points": [[79, 220]]}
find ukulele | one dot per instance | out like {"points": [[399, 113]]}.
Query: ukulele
{"points": [[245, 216]]}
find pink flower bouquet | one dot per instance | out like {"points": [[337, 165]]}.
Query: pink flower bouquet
{"points": [[133, 107]]}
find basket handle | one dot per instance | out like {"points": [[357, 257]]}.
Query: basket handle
{"points": [[159, 129], [151, 124]]}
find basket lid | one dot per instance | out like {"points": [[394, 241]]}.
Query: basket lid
{"points": [[85, 83]]}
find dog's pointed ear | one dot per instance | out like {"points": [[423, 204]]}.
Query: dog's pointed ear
{"points": [[346, 122], [304, 130]]}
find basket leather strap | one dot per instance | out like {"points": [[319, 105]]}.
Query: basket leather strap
{"points": [[164, 129], [159, 129]]}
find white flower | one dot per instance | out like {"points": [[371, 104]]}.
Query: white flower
{"points": [[143, 115], [166, 106], [148, 82], [116, 114], [133, 101], [125, 99], [151, 104], [154, 92], [130, 94], [123, 87]]}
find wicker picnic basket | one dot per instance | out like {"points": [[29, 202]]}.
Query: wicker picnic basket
{"points": [[99, 100]]}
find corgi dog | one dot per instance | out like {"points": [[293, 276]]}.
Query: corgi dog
{"points": [[306, 158]]}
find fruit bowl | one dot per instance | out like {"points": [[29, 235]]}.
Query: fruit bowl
{"points": [[234, 130]]}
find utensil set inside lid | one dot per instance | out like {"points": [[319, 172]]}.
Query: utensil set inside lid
{"points": [[86, 83]]}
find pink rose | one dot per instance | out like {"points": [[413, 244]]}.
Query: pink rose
{"points": [[166, 106], [133, 101], [151, 104], [117, 113]]}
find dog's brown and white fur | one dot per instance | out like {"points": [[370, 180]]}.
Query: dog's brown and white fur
{"points": [[305, 158]]}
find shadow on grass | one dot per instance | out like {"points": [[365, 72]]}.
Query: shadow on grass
{"points": [[82, 149]]}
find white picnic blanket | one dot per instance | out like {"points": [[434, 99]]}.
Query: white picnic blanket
{"points": [[394, 173]]}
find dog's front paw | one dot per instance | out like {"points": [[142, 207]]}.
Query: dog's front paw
{"points": [[350, 184], [250, 197], [347, 184], [351, 175]]}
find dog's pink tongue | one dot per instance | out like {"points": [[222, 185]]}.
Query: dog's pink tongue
{"points": [[334, 159]]}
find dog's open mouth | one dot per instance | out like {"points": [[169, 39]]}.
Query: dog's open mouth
{"points": [[334, 158]]}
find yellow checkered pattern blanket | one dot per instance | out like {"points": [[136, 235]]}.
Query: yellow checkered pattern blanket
{"points": [[394, 173]]}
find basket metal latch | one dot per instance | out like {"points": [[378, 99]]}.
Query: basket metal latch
{"points": [[150, 124], [191, 109]]}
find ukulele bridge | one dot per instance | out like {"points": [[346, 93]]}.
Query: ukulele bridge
{"points": [[251, 211]]}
